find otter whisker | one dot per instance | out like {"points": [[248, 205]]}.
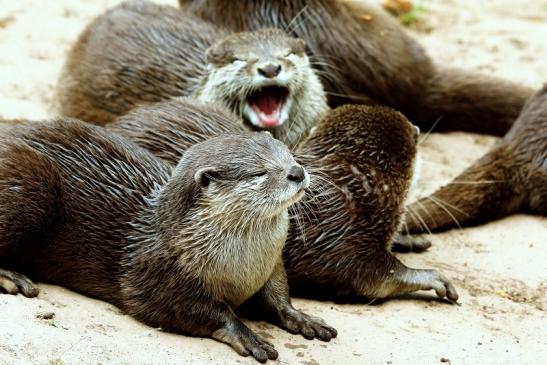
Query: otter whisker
{"points": [[355, 97], [291, 26], [436, 202], [418, 217], [428, 133], [450, 205], [426, 212]]}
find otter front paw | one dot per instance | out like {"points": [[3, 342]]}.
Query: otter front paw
{"points": [[245, 342], [310, 327], [14, 283]]}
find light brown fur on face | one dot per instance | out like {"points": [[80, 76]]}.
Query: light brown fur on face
{"points": [[372, 60], [340, 234], [177, 247], [511, 177]]}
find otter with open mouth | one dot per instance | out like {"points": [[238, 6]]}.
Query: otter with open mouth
{"points": [[265, 77], [140, 52]]}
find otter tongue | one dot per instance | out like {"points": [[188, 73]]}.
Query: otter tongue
{"points": [[267, 107]]}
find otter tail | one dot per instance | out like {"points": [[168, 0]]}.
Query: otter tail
{"points": [[465, 101]]}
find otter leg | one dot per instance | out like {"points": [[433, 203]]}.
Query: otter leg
{"points": [[274, 298], [408, 243], [244, 341], [14, 283], [401, 279], [199, 314]]}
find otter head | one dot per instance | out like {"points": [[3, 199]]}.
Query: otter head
{"points": [[259, 75], [238, 179]]}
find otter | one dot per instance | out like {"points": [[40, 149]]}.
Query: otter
{"points": [[177, 247], [511, 177], [139, 52], [342, 232], [370, 59]]}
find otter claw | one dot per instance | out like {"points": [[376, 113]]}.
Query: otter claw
{"points": [[309, 327], [14, 283]]}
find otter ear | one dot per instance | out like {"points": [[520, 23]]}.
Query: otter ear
{"points": [[298, 46], [205, 175], [218, 55]]}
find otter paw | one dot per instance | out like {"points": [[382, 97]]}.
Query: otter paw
{"points": [[310, 327], [245, 342], [14, 283], [443, 287], [409, 243]]}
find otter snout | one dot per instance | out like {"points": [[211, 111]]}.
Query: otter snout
{"points": [[269, 70], [298, 175]]}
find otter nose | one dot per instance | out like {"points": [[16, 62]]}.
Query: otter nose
{"points": [[269, 70], [296, 174]]}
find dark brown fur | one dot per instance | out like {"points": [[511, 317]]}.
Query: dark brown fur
{"points": [[372, 60], [87, 209], [137, 52], [511, 177], [341, 232]]}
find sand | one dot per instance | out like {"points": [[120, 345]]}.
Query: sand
{"points": [[499, 268]]}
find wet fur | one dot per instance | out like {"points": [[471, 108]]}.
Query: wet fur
{"points": [[340, 233], [511, 177], [372, 60]]}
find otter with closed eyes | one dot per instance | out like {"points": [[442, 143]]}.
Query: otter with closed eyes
{"points": [[361, 162], [177, 247]]}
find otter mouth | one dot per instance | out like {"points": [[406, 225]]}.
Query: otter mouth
{"points": [[268, 107]]}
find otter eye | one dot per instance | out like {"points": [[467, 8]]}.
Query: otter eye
{"points": [[258, 174]]}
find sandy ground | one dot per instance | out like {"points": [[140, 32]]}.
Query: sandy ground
{"points": [[499, 268]]}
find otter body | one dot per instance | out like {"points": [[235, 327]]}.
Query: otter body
{"points": [[140, 52], [364, 56], [87, 209], [511, 177], [340, 234], [136, 53]]}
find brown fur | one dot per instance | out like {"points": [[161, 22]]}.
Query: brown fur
{"points": [[511, 177], [135, 53], [140, 52], [372, 60], [90, 210], [341, 232]]}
